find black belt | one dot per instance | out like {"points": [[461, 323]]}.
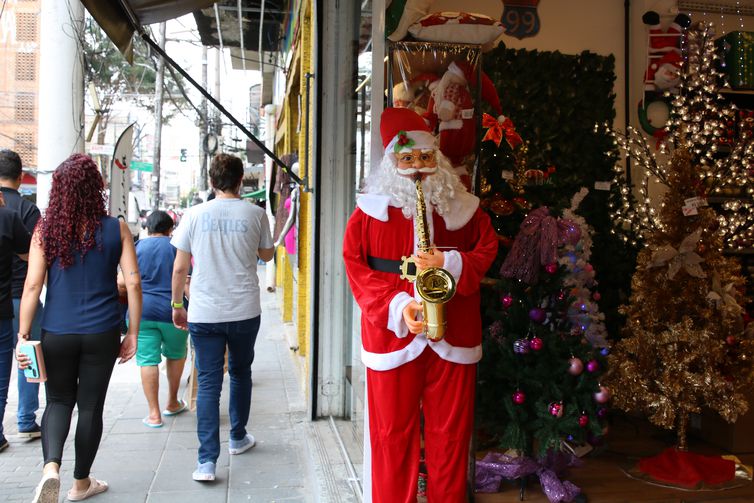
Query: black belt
{"points": [[387, 265]]}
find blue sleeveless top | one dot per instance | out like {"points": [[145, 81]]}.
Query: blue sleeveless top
{"points": [[83, 298]]}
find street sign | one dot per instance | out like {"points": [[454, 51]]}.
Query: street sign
{"points": [[97, 149], [141, 166]]}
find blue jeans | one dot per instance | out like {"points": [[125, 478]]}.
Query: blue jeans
{"points": [[7, 345], [28, 392], [210, 341]]}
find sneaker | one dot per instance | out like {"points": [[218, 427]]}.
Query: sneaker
{"points": [[3, 444], [34, 432], [205, 472], [243, 445]]}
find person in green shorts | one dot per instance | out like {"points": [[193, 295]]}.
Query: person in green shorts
{"points": [[158, 336]]}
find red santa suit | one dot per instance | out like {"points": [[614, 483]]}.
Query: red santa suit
{"points": [[405, 370], [451, 110]]}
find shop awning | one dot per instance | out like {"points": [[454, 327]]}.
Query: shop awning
{"points": [[258, 194], [115, 16], [122, 18]]}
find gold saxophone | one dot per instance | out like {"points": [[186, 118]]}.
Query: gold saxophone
{"points": [[435, 285]]}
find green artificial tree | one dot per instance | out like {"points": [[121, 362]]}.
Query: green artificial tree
{"points": [[545, 350]]}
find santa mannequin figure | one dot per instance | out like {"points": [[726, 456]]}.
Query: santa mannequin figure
{"points": [[664, 52], [404, 368], [667, 72], [451, 107]]}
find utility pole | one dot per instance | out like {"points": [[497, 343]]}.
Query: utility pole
{"points": [[203, 126], [218, 119], [61, 107], [158, 85]]}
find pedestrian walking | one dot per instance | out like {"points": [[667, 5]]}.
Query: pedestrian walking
{"points": [[158, 336], [11, 174], [14, 240], [78, 248], [224, 236]]}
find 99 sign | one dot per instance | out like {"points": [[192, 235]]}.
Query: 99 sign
{"points": [[520, 18]]}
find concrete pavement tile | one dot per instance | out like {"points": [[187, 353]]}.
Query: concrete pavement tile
{"points": [[258, 457], [180, 480], [266, 495], [266, 475], [119, 459], [125, 481], [207, 493], [135, 442]]}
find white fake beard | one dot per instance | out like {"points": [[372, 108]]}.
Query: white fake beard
{"points": [[439, 188]]}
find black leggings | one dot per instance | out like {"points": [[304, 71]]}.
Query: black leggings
{"points": [[78, 373]]}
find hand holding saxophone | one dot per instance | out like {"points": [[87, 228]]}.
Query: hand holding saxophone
{"points": [[409, 316], [426, 260]]}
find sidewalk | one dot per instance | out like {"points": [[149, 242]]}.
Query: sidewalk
{"points": [[295, 460]]}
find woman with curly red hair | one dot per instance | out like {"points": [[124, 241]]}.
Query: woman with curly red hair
{"points": [[78, 248]]}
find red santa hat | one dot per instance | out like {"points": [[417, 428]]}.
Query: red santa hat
{"points": [[469, 73], [403, 129]]}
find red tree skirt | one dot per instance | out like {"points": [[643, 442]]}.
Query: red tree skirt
{"points": [[686, 469]]}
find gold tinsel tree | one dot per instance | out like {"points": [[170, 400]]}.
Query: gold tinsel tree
{"points": [[685, 345]]}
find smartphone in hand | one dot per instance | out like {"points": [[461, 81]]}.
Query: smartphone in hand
{"points": [[35, 372]]}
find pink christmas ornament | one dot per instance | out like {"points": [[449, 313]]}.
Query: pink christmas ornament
{"points": [[583, 420], [596, 296], [576, 366], [507, 301], [603, 395], [551, 268], [518, 397], [593, 366], [536, 344], [556, 409]]}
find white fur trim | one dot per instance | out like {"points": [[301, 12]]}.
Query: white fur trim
{"points": [[423, 140], [451, 124], [453, 263], [374, 205], [462, 209], [456, 70], [455, 354], [395, 322], [367, 458], [388, 361]]}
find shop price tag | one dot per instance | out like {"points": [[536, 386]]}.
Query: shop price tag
{"points": [[696, 202], [507, 175], [602, 185], [689, 210]]}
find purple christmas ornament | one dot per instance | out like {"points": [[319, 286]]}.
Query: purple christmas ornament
{"points": [[537, 314]]}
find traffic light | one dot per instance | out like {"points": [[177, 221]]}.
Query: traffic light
{"points": [[182, 157]]}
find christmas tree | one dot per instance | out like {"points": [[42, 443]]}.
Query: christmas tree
{"points": [[540, 374], [684, 343]]}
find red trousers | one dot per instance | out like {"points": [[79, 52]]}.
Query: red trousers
{"points": [[445, 391]]}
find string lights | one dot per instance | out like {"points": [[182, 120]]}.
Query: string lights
{"points": [[699, 121]]}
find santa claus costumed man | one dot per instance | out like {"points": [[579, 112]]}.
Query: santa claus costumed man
{"points": [[404, 369], [451, 106]]}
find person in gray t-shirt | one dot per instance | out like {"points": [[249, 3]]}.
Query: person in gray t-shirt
{"points": [[224, 237]]}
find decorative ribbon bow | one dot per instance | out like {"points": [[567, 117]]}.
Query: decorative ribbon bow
{"points": [[495, 467], [721, 296], [497, 129], [684, 256], [537, 243]]}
